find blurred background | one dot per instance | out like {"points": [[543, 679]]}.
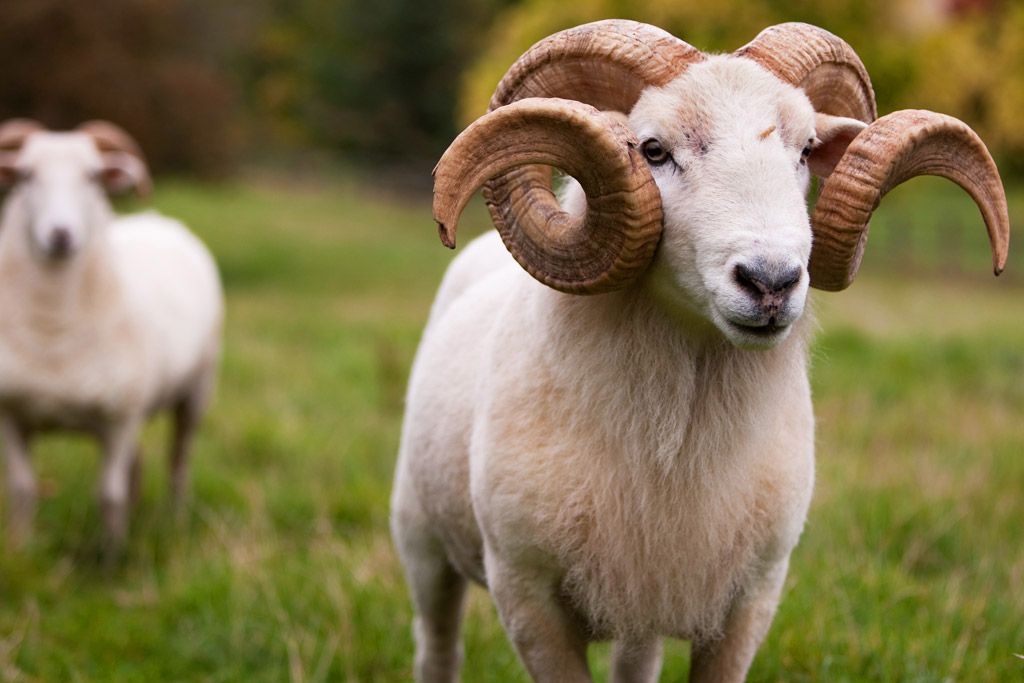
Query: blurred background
{"points": [[210, 86], [296, 138]]}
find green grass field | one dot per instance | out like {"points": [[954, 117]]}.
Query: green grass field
{"points": [[911, 567]]}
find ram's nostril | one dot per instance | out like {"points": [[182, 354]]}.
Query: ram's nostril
{"points": [[787, 279], [747, 279]]}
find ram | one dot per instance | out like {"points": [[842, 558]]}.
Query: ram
{"points": [[106, 319], [621, 446]]}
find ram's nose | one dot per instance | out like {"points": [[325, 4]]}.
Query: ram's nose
{"points": [[768, 283], [60, 241]]}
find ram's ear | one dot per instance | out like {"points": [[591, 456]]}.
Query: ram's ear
{"points": [[834, 134], [9, 174], [123, 172]]}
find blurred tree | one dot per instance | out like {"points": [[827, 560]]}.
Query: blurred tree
{"points": [[973, 68], [134, 63], [381, 84]]}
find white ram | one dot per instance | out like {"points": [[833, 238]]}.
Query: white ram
{"points": [[106, 319], [638, 463]]}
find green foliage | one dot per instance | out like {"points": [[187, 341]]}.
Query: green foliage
{"points": [[379, 83], [910, 567]]}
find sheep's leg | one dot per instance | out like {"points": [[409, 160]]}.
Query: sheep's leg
{"points": [[546, 636], [438, 593], [728, 658], [187, 414], [21, 481], [120, 448], [185, 421], [135, 477], [636, 661]]}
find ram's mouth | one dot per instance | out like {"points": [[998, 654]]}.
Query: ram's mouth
{"points": [[766, 331], [759, 336]]}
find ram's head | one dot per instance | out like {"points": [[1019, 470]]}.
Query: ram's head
{"points": [[693, 169], [59, 181]]}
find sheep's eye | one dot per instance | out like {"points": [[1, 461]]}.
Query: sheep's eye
{"points": [[22, 175], [806, 152], [654, 152]]}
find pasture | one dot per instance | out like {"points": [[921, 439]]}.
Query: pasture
{"points": [[911, 566]]}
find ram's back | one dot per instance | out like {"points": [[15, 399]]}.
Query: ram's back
{"points": [[173, 291]]}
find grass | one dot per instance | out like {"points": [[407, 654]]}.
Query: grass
{"points": [[911, 566]]}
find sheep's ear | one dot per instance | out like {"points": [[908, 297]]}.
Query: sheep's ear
{"points": [[9, 173], [834, 133], [123, 172]]}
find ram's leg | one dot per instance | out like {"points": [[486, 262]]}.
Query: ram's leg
{"points": [[548, 639], [21, 481], [728, 658], [438, 593], [185, 421], [636, 661], [135, 477], [120, 447]]}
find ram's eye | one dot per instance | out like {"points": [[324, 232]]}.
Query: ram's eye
{"points": [[23, 175], [654, 152], [806, 152]]}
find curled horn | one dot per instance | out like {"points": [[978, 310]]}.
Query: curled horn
{"points": [[891, 150], [623, 220], [14, 132], [823, 65], [604, 65], [109, 139]]}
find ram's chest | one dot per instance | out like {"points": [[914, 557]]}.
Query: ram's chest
{"points": [[69, 378], [642, 550], [660, 561]]}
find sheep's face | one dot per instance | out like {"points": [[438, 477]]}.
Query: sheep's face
{"points": [[727, 144], [60, 181]]}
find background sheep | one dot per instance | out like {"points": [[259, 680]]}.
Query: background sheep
{"points": [[623, 466], [106, 320]]}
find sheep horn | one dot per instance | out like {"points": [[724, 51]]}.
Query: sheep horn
{"points": [[821, 63], [611, 245], [14, 132], [112, 138], [605, 64], [891, 150]]}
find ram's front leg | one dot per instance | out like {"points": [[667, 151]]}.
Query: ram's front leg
{"points": [[120, 450], [726, 660], [21, 482], [547, 638]]}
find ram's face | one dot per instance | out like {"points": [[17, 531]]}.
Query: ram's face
{"points": [[58, 179], [727, 145]]}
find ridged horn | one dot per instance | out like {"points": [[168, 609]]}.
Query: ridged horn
{"points": [[605, 64], [822, 64], [595, 253], [891, 150], [109, 137]]}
